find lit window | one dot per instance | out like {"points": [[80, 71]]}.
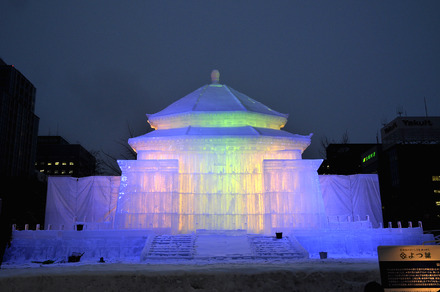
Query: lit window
{"points": [[57, 163], [63, 163], [36, 163], [436, 191], [70, 171], [49, 163], [41, 170], [56, 171], [63, 172], [436, 178], [437, 203], [71, 163]]}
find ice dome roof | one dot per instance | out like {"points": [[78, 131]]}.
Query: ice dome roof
{"points": [[215, 98]]}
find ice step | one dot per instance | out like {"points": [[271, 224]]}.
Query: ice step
{"points": [[169, 247], [212, 246], [271, 247]]}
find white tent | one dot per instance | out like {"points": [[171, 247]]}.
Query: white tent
{"points": [[89, 199], [347, 197]]}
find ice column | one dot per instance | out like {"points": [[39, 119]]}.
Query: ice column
{"points": [[293, 192], [148, 195]]}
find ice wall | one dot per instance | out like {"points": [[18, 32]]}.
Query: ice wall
{"points": [[222, 185], [294, 193], [147, 194]]}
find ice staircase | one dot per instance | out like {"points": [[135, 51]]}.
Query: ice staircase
{"points": [[281, 248], [163, 247], [209, 246]]}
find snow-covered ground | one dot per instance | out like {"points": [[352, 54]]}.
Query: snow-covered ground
{"points": [[266, 275]]}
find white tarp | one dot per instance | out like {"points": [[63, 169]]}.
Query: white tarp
{"points": [[348, 197], [93, 199], [90, 200]]}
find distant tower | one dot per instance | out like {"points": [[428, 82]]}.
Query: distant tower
{"points": [[18, 123]]}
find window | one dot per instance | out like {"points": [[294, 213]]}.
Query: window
{"points": [[71, 163], [56, 171], [70, 171], [41, 170], [436, 178], [436, 191], [437, 203], [57, 163], [49, 163], [63, 172], [63, 163]]}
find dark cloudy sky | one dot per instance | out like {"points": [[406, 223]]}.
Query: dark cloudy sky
{"points": [[333, 66]]}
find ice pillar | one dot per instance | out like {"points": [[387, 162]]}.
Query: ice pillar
{"points": [[293, 192], [148, 194]]}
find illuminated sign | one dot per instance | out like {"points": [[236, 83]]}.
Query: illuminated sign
{"points": [[411, 122], [368, 157], [409, 268]]}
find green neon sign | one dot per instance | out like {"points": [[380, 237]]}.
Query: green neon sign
{"points": [[368, 157]]}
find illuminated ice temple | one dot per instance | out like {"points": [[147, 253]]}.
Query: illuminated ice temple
{"points": [[216, 169], [218, 160]]}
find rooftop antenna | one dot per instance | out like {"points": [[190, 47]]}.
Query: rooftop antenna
{"points": [[426, 107], [399, 110]]}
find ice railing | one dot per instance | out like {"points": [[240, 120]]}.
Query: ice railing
{"points": [[77, 224], [348, 222], [351, 222], [334, 222]]}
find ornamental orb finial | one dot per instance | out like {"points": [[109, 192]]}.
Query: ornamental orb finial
{"points": [[215, 76]]}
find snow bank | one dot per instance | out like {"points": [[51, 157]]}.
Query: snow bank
{"points": [[310, 275]]}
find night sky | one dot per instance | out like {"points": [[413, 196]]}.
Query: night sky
{"points": [[334, 66]]}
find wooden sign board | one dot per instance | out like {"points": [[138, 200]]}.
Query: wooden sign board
{"points": [[410, 268]]}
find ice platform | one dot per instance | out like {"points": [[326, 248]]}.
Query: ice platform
{"points": [[146, 246]]}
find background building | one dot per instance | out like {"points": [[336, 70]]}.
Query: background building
{"points": [[18, 123], [408, 165], [411, 130], [409, 170], [56, 156], [345, 159], [22, 195]]}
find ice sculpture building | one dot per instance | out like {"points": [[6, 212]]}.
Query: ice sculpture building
{"points": [[218, 160]]}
